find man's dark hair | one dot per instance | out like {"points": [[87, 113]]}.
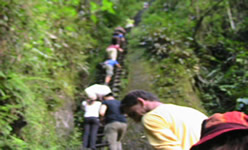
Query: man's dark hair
{"points": [[115, 40], [131, 98]]}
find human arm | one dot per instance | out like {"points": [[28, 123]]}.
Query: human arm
{"points": [[118, 65], [120, 49], [103, 110], [123, 39], [83, 105], [160, 134]]}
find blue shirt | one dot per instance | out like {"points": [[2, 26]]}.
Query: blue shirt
{"points": [[111, 62], [118, 35]]}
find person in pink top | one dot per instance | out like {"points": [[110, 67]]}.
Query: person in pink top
{"points": [[113, 49]]}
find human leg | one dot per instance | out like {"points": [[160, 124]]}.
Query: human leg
{"points": [[94, 129], [107, 79], [86, 133], [122, 128], [109, 73], [111, 135]]}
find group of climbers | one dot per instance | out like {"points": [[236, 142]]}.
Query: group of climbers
{"points": [[166, 126], [100, 106], [117, 46]]}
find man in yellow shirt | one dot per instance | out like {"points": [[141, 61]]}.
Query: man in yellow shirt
{"points": [[167, 126]]}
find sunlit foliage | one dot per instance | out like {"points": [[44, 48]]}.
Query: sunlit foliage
{"points": [[47, 55], [209, 37]]}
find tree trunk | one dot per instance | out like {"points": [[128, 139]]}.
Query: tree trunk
{"points": [[229, 13]]}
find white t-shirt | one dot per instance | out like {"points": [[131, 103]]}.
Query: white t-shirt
{"points": [[97, 90], [91, 110]]}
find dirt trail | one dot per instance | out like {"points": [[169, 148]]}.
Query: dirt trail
{"points": [[140, 73], [139, 76]]}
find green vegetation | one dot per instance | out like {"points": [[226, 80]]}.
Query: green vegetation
{"points": [[201, 48], [197, 54], [49, 49]]}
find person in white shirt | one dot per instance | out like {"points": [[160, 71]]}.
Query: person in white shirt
{"points": [[91, 122], [91, 107]]}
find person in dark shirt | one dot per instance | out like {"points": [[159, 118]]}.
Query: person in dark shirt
{"points": [[115, 122]]}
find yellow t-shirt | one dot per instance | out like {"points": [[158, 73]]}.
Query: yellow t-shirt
{"points": [[173, 127]]}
